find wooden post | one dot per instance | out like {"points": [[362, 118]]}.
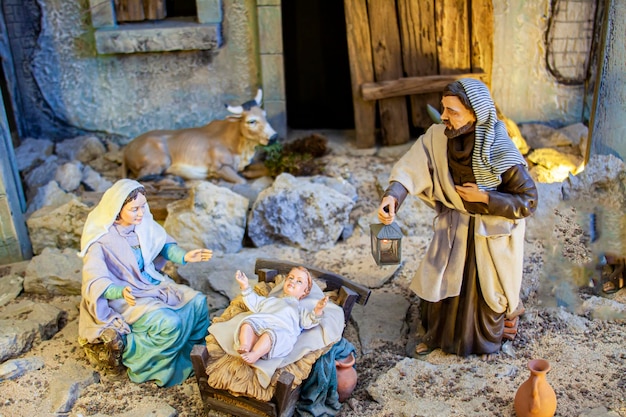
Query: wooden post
{"points": [[129, 10], [419, 52], [482, 38], [387, 55], [361, 70], [453, 40], [154, 9]]}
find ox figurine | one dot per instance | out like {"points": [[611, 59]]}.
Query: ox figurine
{"points": [[220, 149]]}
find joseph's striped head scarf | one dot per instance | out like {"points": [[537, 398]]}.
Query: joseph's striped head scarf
{"points": [[494, 151]]}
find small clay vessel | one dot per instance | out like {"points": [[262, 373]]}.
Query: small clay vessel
{"points": [[535, 397], [346, 376]]}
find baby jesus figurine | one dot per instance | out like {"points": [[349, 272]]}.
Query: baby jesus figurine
{"points": [[273, 327]]}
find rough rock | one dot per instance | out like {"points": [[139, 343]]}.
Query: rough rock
{"points": [[93, 181], [553, 166], [57, 227], [538, 135], [601, 171], [381, 320], [81, 148], [72, 380], [54, 272], [299, 212], [69, 175], [41, 174], [32, 151], [24, 324], [10, 287], [17, 367], [51, 196], [211, 217]]}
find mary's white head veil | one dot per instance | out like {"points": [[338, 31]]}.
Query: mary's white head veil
{"points": [[105, 213]]}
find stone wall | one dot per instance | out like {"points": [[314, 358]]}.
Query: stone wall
{"points": [[67, 87], [608, 128], [522, 85]]}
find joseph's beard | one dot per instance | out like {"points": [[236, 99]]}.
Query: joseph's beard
{"points": [[453, 133]]}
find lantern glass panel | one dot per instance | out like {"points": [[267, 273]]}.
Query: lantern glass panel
{"points": [[386, 246], [388, 251]]}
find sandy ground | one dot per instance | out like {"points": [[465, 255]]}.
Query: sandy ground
{"points": [[588, 360]]}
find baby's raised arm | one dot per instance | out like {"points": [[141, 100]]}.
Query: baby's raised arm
{"points": [[242, 279], [319, 307]]}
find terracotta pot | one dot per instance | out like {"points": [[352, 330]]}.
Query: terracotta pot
{"points": [[346, 376], [535, 397]]}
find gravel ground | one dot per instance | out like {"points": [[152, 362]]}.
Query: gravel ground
{"points": [[587, 351]]}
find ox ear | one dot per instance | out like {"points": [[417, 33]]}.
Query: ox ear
{"points": [[234, 109], [259, 97]]}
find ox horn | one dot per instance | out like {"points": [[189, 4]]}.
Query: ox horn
{"points": [[234, 109], [247, 105]]}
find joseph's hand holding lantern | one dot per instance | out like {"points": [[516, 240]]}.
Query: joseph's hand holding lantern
{"points": [[386, 243]]}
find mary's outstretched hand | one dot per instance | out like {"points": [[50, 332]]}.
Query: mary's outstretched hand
{"points": [[198, 255]]}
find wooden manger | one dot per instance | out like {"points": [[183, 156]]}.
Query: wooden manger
{"points": [[286, 394]]}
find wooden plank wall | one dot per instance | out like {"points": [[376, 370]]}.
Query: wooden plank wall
{"points": [[138, 10], [419, 52], [400, 48], [387, 55], [361, 70]]}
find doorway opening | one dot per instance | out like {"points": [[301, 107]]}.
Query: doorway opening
{"points": [[317, 68]]}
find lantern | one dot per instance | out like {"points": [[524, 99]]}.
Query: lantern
{"points": [[386, 248]]}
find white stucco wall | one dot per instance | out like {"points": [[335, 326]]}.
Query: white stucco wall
{"points": [[521, 83]]}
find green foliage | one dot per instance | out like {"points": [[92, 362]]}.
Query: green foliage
{"points": [[278, 160]]}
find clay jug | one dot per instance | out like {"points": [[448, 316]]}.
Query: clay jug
{"points": [[346, 376], [535, 397]]}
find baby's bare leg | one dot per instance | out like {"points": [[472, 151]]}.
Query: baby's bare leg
{"points": [[247, 338], [262, 346]]}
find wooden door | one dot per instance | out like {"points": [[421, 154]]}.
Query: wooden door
{"points": [[138, 10], [412, 48]]}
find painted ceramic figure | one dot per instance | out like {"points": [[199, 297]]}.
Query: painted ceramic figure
{"points": [[276, 322], [122, 289], [469, 171]]}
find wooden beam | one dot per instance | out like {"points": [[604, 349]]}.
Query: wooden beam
{"points": [[412, 85]]}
